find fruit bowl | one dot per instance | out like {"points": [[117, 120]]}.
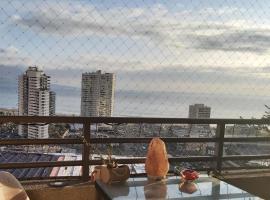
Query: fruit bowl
{"points": [[189, 175]]}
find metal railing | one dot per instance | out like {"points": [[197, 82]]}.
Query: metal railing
{"points": [[219, 140]]}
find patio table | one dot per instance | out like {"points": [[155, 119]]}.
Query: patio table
{"points": [[171, 188]]}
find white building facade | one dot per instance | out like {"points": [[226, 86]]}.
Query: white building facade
{"points": [[34, 100], [97, 94]]}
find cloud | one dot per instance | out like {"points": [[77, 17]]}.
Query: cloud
{"points": [[156, 23], [94, 61], [88, 20], [11, 50], [11, 56], [208, 29], [243, 41], [169, 78], [152, 37], [212, 80]]}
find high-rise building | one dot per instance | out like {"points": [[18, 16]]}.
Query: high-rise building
{"points": [[199, 111], [52, 103], [34, 100], [97, 94]]}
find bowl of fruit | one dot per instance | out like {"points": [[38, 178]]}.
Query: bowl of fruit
{"points": [[189, 175]]}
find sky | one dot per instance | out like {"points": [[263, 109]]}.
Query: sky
{"points": [[199, 46]]}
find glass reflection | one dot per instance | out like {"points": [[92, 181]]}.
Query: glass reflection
{"points": [[155, 189], [188, 187]]}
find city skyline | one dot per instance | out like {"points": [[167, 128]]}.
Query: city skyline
{"points": [[141, 103], [97, 95]]}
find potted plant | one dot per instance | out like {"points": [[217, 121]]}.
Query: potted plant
{"points": [[110, 171]]}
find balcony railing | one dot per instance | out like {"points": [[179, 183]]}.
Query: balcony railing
{"points": [[219, 141]]}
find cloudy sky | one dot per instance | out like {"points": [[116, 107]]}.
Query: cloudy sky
{"points": [[199, 46]]}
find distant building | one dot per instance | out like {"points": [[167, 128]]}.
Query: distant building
{"points": [[97, 94], [8, 112], [52, 103], [199, 111], [34, 100]]}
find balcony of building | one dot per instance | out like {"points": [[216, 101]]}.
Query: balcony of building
{"points": [[247, 171]]}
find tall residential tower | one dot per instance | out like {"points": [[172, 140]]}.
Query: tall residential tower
{"points": [[97, 94], [34, 100], [199, 111], [52, 103]]}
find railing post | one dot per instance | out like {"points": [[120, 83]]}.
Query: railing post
{"points": [[86, 151], [219, 145]]}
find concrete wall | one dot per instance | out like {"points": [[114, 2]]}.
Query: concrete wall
{"points": [[85, 192]]}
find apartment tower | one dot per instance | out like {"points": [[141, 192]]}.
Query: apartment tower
{"points": [[97, 94], [199, 111], [52, 103], [34, 100]]}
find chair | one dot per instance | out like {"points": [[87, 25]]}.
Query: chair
{"points": [[10, 188]]}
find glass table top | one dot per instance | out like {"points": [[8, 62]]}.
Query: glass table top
{"points": [[172, 188]]}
